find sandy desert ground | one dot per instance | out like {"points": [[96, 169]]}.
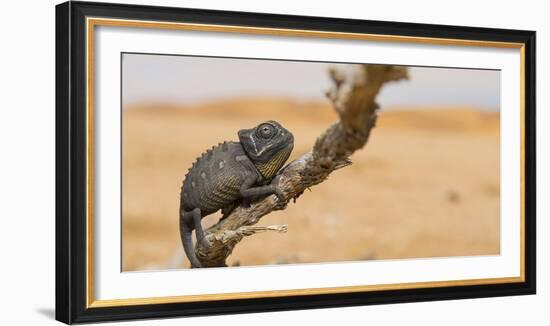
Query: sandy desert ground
{"points": [[426, 184]]}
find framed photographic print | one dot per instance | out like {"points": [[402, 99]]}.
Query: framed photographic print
{"points": [[214, 162]]}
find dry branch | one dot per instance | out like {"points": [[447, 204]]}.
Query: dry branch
{"points": [[353, 98]]}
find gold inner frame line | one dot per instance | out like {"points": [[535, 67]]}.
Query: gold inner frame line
{"points": [[92, 22]]}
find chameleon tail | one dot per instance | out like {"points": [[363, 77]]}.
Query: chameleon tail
{"points": [[187, 241]]}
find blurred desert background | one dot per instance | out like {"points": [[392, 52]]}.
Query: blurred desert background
{"points": [[426, 184]]}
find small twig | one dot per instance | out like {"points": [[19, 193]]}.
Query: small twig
{"points": [[245, 231]]}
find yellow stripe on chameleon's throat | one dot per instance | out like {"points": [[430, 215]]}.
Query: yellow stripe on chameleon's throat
{"points": [[269, 169]]}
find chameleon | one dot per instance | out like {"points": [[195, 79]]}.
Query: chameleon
{"points": [[231, 172]]}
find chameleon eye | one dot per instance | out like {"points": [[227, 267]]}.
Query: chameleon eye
{"points": [[265, 131]]}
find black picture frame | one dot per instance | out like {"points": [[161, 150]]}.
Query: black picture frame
{"points": [[71, 158]]}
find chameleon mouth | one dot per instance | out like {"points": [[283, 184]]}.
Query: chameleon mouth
{"points": [[246, 138]]}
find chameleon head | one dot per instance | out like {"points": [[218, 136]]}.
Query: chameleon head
{"points": [[267, 142]]}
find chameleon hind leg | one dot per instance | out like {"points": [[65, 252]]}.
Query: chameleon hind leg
{"points": [[189, 221], [195, 218]]}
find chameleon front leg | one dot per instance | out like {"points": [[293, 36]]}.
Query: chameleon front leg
{"points": [[248, 191]]}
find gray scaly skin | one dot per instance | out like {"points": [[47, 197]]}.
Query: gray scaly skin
{"points": [[230, 172]]}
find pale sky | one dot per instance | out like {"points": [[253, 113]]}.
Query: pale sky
{"points": [[190, 80]]}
